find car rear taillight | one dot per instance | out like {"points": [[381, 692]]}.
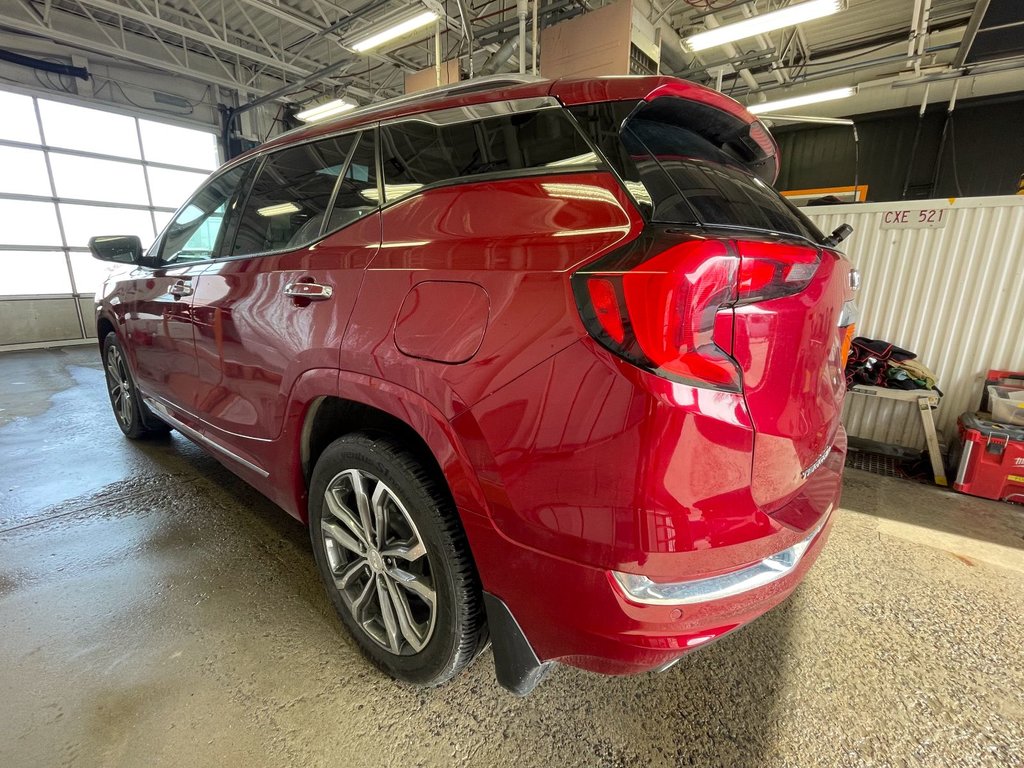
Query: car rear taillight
{"points": [[771, 270], [654, 302]]}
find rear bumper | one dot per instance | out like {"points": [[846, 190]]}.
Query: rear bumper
{"points": [[578, 615], [581, 615], [591, 467]]}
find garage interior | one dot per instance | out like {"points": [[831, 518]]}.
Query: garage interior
{"points": [[158, 611]]}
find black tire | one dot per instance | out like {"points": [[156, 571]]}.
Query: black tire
{"points": [[131, 414], [416, 509]]}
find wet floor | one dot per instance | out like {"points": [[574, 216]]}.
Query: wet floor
{"points": [[155, 611]]}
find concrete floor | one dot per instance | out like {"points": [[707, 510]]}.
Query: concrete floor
{"points": [[155, 611]]}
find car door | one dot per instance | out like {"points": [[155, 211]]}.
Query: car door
{"points": [[279, 304], [159, 301]]}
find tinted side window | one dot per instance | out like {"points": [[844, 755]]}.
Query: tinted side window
{"points": [[288, 201], [357, 193], [197, 231], [417, 153]]}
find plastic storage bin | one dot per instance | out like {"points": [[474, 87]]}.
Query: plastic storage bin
{"points": [[989, 459], [1007, 404]]}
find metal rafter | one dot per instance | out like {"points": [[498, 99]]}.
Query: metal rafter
{"points": [[310, 24], [241, 64], [113, 48], [188, 33]]}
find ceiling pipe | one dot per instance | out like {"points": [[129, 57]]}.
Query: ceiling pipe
{"points": [[534, 35], [467, 30], [954, 73], [437, 52], [521, 10], [731, 52], [764, 44], [843, 69], [500, 57]]}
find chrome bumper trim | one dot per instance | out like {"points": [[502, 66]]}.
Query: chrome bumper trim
{"points": [[641, 589]]}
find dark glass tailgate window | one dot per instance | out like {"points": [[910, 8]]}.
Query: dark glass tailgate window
{"points": [[682, 176]]}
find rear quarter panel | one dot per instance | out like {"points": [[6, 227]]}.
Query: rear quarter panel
{"points": [[518, 239]]}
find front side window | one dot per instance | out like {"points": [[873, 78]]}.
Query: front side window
{"points": [[416, 153], [289, 199], [198, 229]]}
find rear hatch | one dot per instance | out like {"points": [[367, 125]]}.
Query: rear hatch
{"points": [[759, 282]]}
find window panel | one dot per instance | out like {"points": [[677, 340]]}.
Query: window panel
{"points": [[89, 130], [172, 188], [108, 181], [23, 172], [357, 194], [417, 153], [174, 145], [19, 122], [288, 201], [33, 273], [196, 233], [28, 223], [90, 273], [84, 221]]}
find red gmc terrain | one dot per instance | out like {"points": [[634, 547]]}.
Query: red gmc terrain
{"points": [[544, 364]]}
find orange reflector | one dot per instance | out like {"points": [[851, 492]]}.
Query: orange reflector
{"points": [[851, 331]]}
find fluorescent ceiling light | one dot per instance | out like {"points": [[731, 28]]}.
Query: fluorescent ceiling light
{"points": [[325, 110], [763, 22], [395, 31], [277, 210], [801, 101]]}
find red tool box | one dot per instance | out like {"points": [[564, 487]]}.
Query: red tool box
{"points": [[989, 459]]}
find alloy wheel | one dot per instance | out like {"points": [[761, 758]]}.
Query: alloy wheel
{"points": [[119, 384], [378, 562]]}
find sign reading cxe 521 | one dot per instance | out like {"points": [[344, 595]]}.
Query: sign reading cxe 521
{"points": [[919, 218]]}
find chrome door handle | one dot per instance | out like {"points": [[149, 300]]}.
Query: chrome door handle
{"points": [[180, 288], [311, 291]]}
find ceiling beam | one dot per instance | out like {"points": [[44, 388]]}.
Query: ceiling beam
{"points": [[311, 24], [83, 35], [246, 52]]}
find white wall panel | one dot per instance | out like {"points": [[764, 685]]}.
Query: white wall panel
{"points": [[954, 295]]}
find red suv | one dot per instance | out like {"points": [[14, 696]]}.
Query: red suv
{"points": [[547, 364]]}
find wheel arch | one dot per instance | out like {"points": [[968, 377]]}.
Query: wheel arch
{"points": [[104, 325], [365, 404], [330, 417]]}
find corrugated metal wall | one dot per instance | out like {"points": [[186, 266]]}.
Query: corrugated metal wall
{"points": [[953, 295]]}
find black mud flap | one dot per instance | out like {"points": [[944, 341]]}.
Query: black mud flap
{"points": [[515, 664]]}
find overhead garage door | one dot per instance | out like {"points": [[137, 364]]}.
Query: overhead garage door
{"points": [[68, 172]]}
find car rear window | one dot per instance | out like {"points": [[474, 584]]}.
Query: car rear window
{"points": [[691, 167]]}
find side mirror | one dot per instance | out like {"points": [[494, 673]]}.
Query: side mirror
{"points": [[839, 234], [120, 249]]}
